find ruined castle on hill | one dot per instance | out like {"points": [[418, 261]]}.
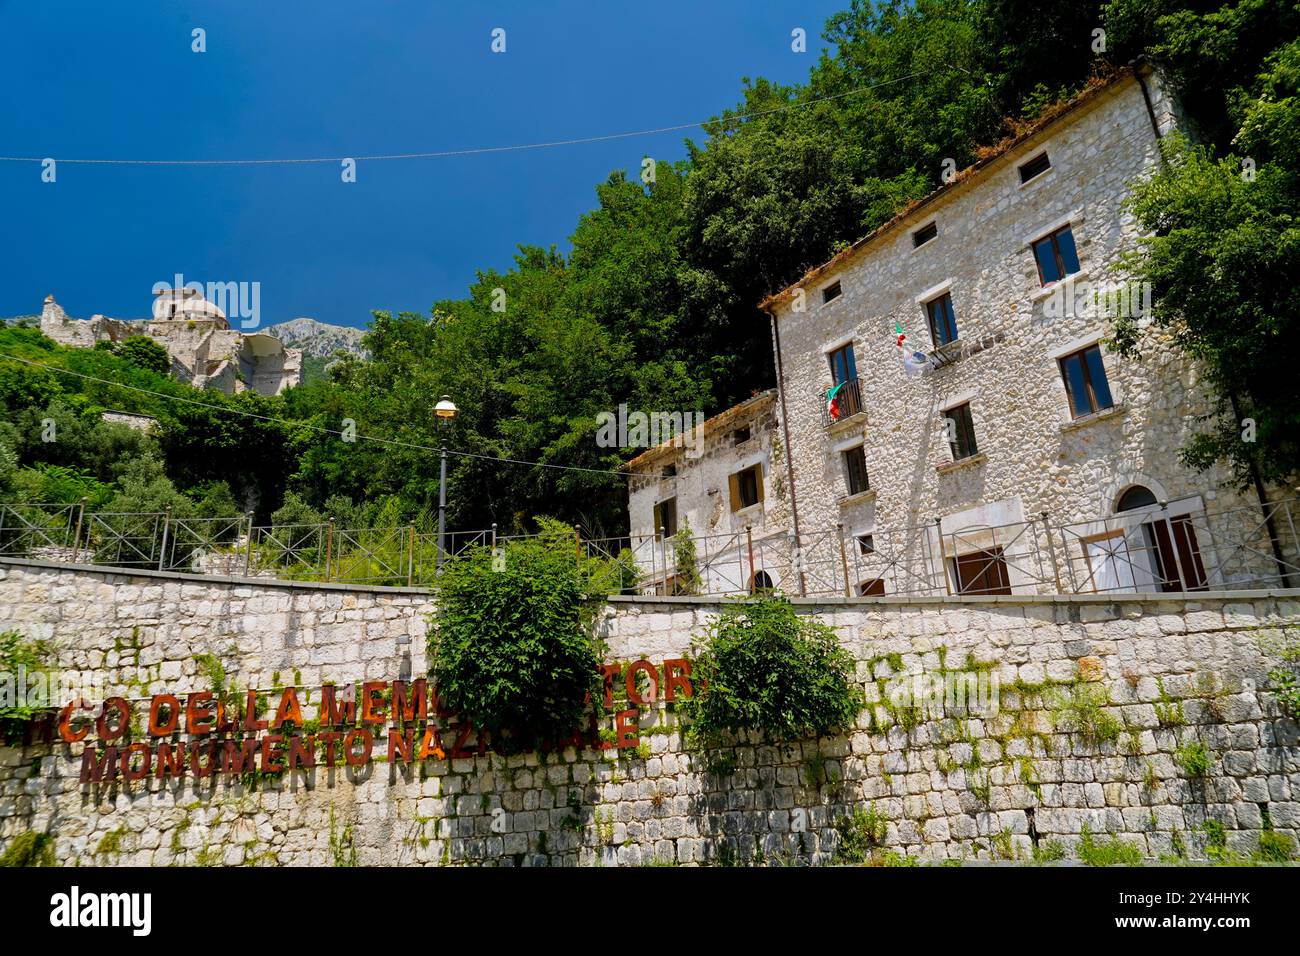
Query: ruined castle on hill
{"points": [[204, 350]]}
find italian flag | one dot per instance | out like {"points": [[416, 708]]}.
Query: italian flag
{"points": [[833, 402]]}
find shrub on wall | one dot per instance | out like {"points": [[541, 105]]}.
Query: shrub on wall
{"points": [[762, 667], [31, 657], [512, 647]]}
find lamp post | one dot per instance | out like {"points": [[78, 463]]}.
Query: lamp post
{"points": [[445, 410]]}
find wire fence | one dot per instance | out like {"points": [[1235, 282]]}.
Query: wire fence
{"points": [[1160, 548]]}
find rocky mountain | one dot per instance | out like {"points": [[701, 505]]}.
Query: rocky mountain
{"points": [[317, 339]]}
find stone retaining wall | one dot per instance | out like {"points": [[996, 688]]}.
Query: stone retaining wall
{"points": [[1101, 705]]}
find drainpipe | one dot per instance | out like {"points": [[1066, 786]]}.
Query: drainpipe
{"points": [[1138, 74], [789, 456]]}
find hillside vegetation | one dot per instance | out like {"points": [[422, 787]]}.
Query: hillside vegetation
{"points": [[656, 303]]}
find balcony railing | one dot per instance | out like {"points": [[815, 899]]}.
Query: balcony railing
{"points": [[844, 404]]}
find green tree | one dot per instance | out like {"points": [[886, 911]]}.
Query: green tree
{"points": [[143, 352], [1223, 261]]}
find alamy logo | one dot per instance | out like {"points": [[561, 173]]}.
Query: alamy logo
{"points": [[236, 300], [103, 909], [649, 429]]}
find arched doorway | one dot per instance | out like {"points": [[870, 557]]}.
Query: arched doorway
{"points": [[1169, 542], [761, 581]]}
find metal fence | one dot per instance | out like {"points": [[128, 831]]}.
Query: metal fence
{"points": [[1158, 548]]}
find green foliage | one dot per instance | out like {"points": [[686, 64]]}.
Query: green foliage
{"points": [[343, 850], [761, 666], [33, 657], [295, 512], [143, 352], [685, 564], [198, 446], [1284, 682], [1169, 712], [1193, 759], [1082, 709], [511, 647], [1223, 256], [1113, 852], [1049, 851], [655, 303], [30, 849], [860, 833], [1275, 847], [1216, 840]]}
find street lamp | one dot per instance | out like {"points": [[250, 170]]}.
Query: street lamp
{"points": [[445, 411]]}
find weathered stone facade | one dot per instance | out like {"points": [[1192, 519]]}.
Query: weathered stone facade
{"points": [[1169, 674], [203, 348], [702, 486], [1034, 457]]}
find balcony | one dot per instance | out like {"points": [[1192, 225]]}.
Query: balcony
{"points": [[847, 404]]}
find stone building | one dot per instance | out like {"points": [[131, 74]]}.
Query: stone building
{"points": [[953, 404], [729, 489], [204, 350]]}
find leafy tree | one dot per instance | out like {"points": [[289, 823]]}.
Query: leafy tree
{"points": [[145, 488], [143, 352], [293, 512], [1222, 261]]}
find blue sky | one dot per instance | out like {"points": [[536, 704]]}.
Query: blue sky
{"points": [[297, 78]]}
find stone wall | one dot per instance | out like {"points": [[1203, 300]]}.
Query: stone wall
{"points": [[1033, 458], [1100, 703]]}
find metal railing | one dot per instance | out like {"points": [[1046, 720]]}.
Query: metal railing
{"points": [[847, 401], [1159, 548]]}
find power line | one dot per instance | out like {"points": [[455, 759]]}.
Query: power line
{"points": [[472, 151], [318, 428]]}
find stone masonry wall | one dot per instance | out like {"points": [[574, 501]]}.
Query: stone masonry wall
{"points": [[1097, 696], [1033, 457], [701, 487]]}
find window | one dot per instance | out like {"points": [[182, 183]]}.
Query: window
{"points": [[855, 470], [832, 291], [670, 471], [1035, 167], [925, 234], [843, 367], [741, 435], [761, 581], [845, 396], [866, 544], [747, 488], [873, 588], [1056, 256], [666, 517], [981, 572], [1085, 382], [943, 322], [961, 432]]}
